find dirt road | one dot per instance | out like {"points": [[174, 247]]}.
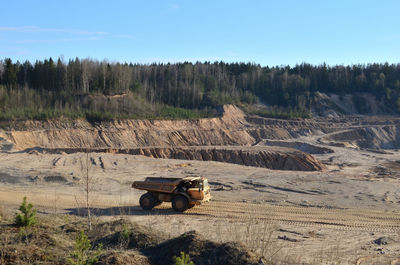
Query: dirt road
{"points": [[343, 219], [314, 217]]}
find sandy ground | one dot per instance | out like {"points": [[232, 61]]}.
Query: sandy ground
{"points": [[327, 216], [347, 214]]}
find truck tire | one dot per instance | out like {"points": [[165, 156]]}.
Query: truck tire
{"points": [[180, 203], [147, 201]]}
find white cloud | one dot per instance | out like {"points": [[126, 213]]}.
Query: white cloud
{"points": [[122, 36], [75, 34], [34, 29], [58, 40], [14, 51], [171, 8]]}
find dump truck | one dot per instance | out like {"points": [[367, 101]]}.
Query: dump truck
{"points": [[183, 193]]}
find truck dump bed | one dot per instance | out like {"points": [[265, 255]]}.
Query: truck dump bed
{"points": [[163, 180], [166, 185]]}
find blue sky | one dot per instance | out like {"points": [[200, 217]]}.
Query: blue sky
{"points": [[265, 32]]}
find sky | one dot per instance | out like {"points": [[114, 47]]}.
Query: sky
{"points": [[279, 32]]}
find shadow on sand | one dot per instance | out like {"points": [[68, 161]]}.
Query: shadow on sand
{"points": [[124, 210]]}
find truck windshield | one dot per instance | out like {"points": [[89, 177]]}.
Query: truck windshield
{"points": [[199, 184]]}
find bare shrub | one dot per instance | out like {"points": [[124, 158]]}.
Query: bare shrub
{"points": [[88, 185], [2, 213], [56, 199]]}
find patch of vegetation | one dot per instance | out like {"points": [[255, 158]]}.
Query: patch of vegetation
{"points": [[183, 259], [281, 114], [2, 215], [104, 90], [27, 217], [22, 113], [82, 254], [169, 112], [125, 235]]}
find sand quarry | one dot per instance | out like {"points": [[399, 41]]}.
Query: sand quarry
{"points": [[315, 191]]}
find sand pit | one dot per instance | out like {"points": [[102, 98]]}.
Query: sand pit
{"points": [[335, 214]]}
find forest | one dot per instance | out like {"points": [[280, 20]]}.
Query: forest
{"points": [[98, 90]]}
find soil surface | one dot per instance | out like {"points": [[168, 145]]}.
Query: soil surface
{"points": [[345, 211]]}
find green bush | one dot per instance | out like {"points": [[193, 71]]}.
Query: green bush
{"points": [[96, 117], [169, 112], [125, 233], [27, 217], [282, 114], [82, 254], [184, 259]]}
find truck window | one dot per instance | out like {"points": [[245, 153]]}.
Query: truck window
{"points": [[196, 184]]}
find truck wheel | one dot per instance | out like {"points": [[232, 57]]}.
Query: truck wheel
{"points": [[147, 201], [180, 203]]}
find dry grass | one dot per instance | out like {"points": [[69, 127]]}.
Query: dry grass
{"points": [[43, 243], [51, 242], [258, 237], [2, 213], [58, 232]]}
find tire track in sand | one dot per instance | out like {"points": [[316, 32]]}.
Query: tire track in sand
{"points": [[343, 219]]}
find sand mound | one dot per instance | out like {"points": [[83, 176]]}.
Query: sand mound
{"points": [[201, 251], [277, 158], [175, 139], [280, 159], [155, 249], [379, 137], [304, 147], [226, 130], [123, 234], [334, 105]]}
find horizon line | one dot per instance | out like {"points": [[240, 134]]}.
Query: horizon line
{"points": [[111, 61]]}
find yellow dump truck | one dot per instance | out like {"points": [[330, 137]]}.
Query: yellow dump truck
{"points": [[183, 193]]}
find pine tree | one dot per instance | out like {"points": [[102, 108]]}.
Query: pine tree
{"points": [[27, 217]]}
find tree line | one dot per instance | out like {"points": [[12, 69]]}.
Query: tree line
{"points": [[82, 85]]}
